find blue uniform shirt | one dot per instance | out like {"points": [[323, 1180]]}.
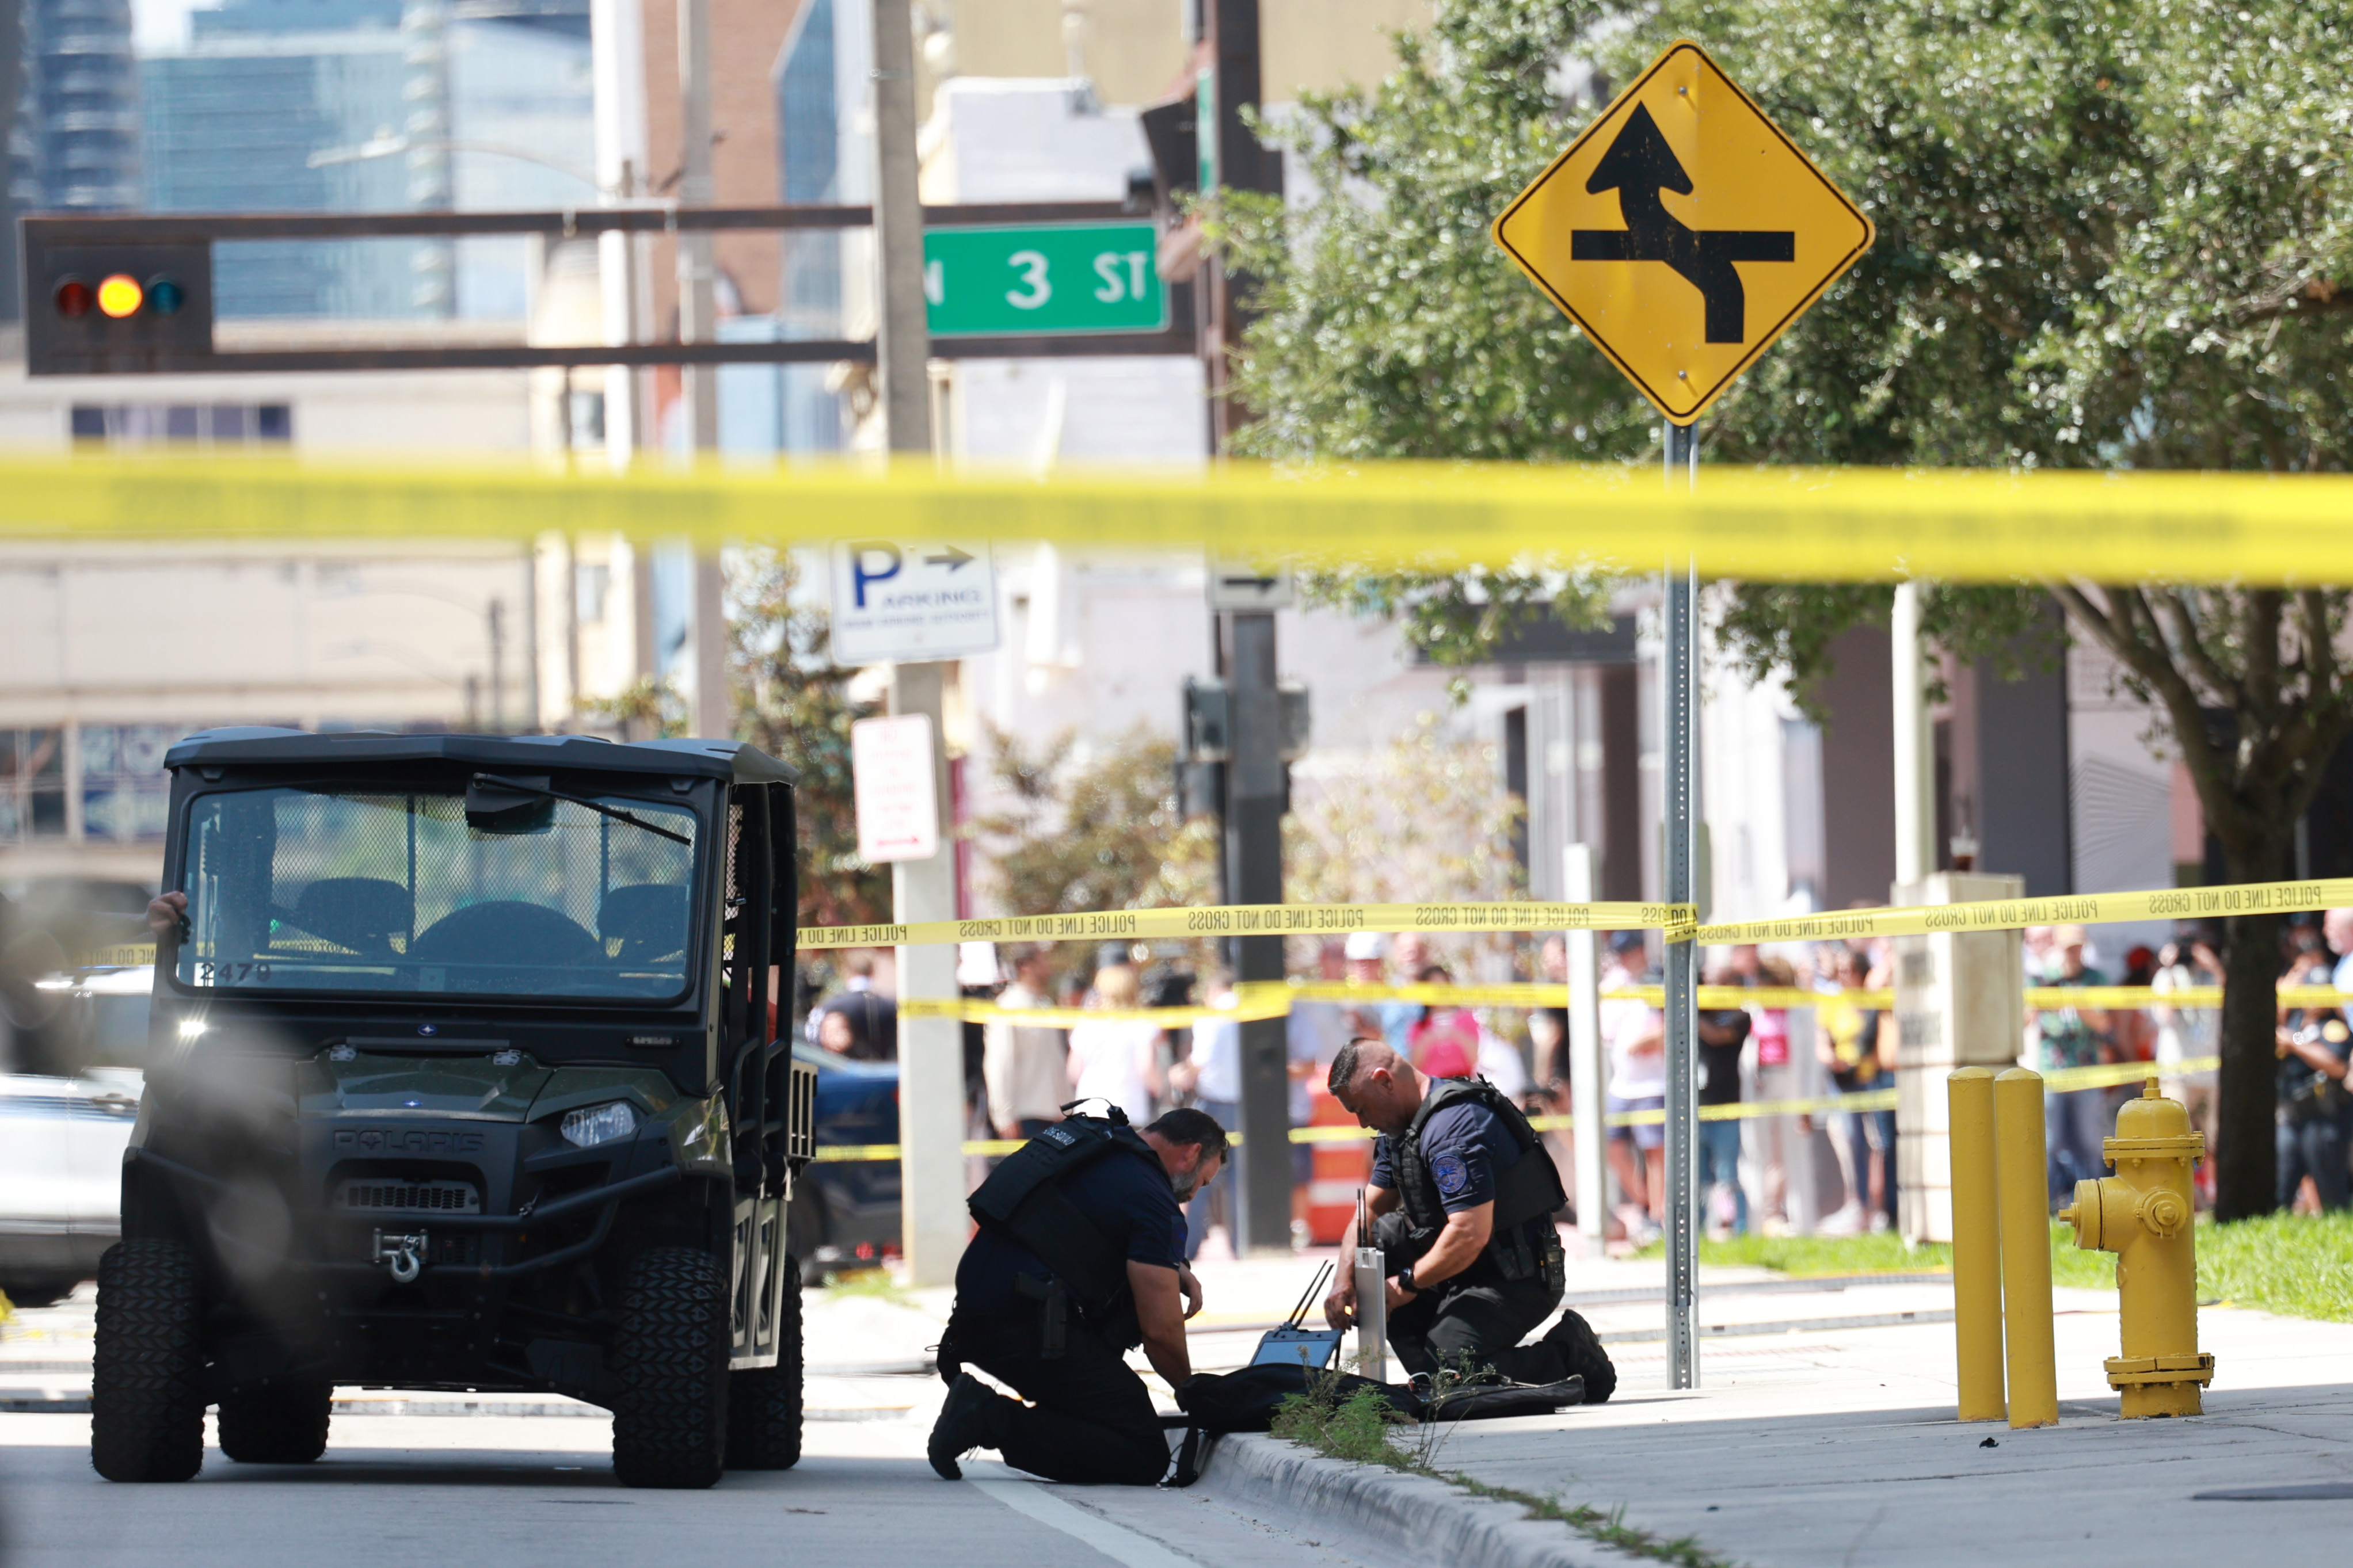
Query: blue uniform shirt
{"points": [[1130, 1201], [1466, 1147]]}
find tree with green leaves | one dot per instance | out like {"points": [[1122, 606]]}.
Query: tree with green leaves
{"points": [[2111, 234], [792, 703]]}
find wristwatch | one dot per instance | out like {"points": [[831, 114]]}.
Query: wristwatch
{"points": [[1405, 1282]]}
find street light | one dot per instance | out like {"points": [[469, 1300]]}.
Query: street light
{"points": [[389, 146]]}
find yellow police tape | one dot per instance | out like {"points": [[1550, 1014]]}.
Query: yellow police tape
{"points": [[2061, 1082], [1792, 524], [1676, 921], [1258, 999], [1260, 920]]}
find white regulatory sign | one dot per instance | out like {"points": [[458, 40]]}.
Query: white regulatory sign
{"points": [[912, 600], [892, 785]]}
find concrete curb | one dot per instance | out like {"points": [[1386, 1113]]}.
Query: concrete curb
{"points": [[1411, 1517]]}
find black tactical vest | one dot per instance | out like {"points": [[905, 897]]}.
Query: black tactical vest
{"points": [[1529, 1188], [1023, 1201]]}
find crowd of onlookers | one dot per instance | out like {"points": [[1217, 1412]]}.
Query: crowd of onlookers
{"points": [[1828, 1168]]}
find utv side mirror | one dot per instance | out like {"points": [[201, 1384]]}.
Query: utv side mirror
{"points": [[520, 805]]}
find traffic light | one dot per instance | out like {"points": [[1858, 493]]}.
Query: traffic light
{"points": [[126, 307]]}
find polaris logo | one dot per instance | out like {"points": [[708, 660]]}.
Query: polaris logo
{"points": [[407, 1140], [650, 1040]]}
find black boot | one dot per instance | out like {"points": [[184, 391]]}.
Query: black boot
{"points": [[1582, 1356], [963, 1425]]}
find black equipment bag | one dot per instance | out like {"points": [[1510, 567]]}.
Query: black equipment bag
{"points": [[1246, 1401]]}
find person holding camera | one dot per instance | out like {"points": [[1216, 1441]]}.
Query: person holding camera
{"points": [[2311, 1115]]}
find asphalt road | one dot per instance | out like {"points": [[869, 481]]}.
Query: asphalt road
{"points": [[447, 1491]]}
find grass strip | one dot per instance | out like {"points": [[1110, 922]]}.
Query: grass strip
{"points": [[2299, 1266], [1361, 1429], [1886, 1253]]}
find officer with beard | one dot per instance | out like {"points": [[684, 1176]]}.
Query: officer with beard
{"points": [[1462, 1194], [1079, 1258]]}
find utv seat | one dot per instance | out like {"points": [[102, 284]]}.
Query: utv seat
{"points": [[362, 913], [507, 934]]}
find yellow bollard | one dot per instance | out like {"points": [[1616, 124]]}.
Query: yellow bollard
{"points": [[2024, 1196], [1976, 1246], [2144, 1213]]}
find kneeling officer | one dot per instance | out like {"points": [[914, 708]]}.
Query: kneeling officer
{"points": [[1463, 1193], [1080, 1258]]}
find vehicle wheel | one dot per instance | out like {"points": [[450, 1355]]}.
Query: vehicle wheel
{"points": [[281, 1423], [805, 1229], [1581, 1350], [764, 1406], [21, 1293], [670, 1372], [146, 1411]]}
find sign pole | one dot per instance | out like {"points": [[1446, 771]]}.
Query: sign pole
{"points": [[1680, 671]]}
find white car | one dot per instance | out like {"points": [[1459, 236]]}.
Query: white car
{"points": [[61, 1140]]}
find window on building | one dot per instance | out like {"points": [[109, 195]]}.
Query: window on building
{"points": [[32, 784], [200, 424]]}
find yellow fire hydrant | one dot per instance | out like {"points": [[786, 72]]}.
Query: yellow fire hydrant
{"points": [[2144, 1215]]}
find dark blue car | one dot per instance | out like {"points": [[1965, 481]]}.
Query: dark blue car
{"points": [[845, 1213]]}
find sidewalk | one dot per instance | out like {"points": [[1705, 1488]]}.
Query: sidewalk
{"points": [[1834, 1442]]}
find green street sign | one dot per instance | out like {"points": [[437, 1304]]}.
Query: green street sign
{"points": [[1062, 278]]}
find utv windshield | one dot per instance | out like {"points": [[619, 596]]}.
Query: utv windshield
{"points": [[365, 889]]}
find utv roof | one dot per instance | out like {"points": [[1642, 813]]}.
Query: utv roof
{"points": [[253, 746]]}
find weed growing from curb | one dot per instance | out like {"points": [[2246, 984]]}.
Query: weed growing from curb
{"points": [[1609, 1529], [1359, 1429]]}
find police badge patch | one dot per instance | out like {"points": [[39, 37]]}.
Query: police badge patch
{"points": [[1449, 1172]]}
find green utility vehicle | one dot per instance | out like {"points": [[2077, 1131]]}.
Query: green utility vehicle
{"points": [[466, 1078]]}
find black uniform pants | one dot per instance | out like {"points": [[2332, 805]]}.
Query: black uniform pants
{"points": [[1477, 1321], [1090, 1419], [2313, 1147]]}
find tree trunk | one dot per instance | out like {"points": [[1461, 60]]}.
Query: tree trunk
{"points": [[2244, 1175]]}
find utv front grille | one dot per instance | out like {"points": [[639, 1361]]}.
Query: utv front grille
{"points": [[372, 1196]]}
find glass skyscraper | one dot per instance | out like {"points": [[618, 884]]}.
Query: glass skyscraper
{"points": [[371, 106]]}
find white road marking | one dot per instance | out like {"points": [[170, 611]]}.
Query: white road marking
{"points": [[1121, 1545]]}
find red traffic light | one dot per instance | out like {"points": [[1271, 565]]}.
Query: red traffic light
{"points": [[74, 299]]}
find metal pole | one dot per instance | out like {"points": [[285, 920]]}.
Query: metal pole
{"points": [[1915, 762], [698, 311], [1977, 1248], [1252, 863], [931, 1050], [1586, 1067], [2023, 1194], [904, 344], [1679, 671]]}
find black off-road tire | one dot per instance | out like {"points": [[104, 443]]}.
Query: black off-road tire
{"points": [[763, 1405], [283, 1424], [1581, 1348], [670, 1372], [146, 1403]]}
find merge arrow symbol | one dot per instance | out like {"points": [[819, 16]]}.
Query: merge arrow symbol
{"points": [[952, 559], [1638, 165]]}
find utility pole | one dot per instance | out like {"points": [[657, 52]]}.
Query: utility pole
{"points": [[1231, 158], [1250, 850], [1914, 740], [1251, 861], [931, 1050], [1679, 669]]}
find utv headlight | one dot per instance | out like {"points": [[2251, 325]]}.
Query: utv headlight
{"points": [[592, 1125]]}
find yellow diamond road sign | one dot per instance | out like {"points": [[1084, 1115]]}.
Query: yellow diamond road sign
{"points": [[1683, 232]]}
